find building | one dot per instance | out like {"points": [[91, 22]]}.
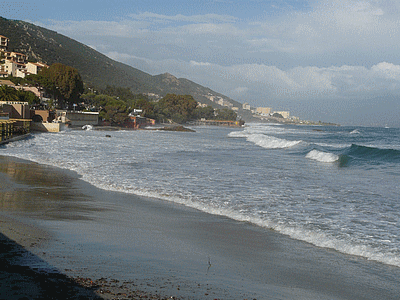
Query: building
{"points": [[18, 118], [224, 102], [137, 122], [284, 114], [199, 104], [14, 63], [34, 68], [246, 106], [263, 110], [16, 57], [4, 43], [7, 82], [42, 115], [14, 68], [16, 110], [78, 118], [3, 49]]}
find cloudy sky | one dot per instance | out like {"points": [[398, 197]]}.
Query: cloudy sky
{"points": [[329, 60]]}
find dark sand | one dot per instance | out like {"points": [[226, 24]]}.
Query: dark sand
{"points": [[62, 238]]}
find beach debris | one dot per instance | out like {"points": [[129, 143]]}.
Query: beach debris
{"points": [[209, 264]]}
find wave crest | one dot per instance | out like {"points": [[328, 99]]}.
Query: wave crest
{"points": [[270, 142], [374, 153], [322, 156]]}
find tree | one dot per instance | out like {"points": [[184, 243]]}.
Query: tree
{"points": [[8, 93], [179, 108], [63, 81], [26, 96], [121, 93], [204, 113], [115, 111], [226, 114], [149, 108]]}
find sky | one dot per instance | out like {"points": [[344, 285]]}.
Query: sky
{"points": [[329, 60]]}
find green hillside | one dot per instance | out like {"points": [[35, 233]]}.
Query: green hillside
{"points": [[96, 69]]}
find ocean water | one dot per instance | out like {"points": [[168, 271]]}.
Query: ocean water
{"points": [[334, 187]]}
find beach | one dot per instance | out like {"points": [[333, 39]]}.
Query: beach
{"points": [[98, 243]]}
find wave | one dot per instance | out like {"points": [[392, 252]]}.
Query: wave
{"points": [[356, 154], [270, 142], [321, 156], [264, 141], [238, 134], [355, 131], [373, 153]]}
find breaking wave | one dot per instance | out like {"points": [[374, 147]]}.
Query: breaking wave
{"points": [[263, 140], [270, 142], [322, 156]]}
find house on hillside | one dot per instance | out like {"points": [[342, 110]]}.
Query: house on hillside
{"points": [[284, 114], [14, 68], [4, 43], [16, 64], [264, 111]]}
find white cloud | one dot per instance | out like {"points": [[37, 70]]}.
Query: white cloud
{"points": [[335, 25], [206, 18], [199, 64], [119, 29], [337, 49], [387, 70]]}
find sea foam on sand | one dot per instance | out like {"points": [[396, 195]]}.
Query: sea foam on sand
{"points": [[179, 251]]}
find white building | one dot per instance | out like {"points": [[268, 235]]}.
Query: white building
{"points": [[246, 106], [284, 114], [16, 64], [263, 110]]}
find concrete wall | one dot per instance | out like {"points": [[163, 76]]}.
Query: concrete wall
{"points": [[80, 118], [46, 115], [16, 110], [47, 127]]}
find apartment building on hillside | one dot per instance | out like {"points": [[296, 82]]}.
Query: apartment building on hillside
{"points": [[14, 63], [4, 43], [263, 110], [284, 114]]}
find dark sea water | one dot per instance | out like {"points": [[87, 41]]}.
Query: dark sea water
{"points": [[334, 187]]}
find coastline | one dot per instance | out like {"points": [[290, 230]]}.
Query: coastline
{"points": [[165, 249]]}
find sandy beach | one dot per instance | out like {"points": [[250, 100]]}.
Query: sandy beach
{"points": [[65, 239]]}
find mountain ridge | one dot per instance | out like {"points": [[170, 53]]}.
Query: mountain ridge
{"points": [[98, 70]]}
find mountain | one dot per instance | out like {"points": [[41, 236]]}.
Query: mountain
{"points": [[98, 70]]}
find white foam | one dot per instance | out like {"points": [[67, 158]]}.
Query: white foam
{"points": [[270, 142], [322, 156], [101, 163], [238, 134], [87, 127]]}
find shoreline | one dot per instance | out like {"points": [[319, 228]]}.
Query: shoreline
{"points": [[166, 249]]}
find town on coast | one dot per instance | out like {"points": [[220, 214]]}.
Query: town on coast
{"points": [[211, 150], [37, 97]]}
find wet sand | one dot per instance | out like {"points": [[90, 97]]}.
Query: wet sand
{"points": [[114, 245]]}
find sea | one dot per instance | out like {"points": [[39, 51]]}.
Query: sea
{"points": [[335, 187]]}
